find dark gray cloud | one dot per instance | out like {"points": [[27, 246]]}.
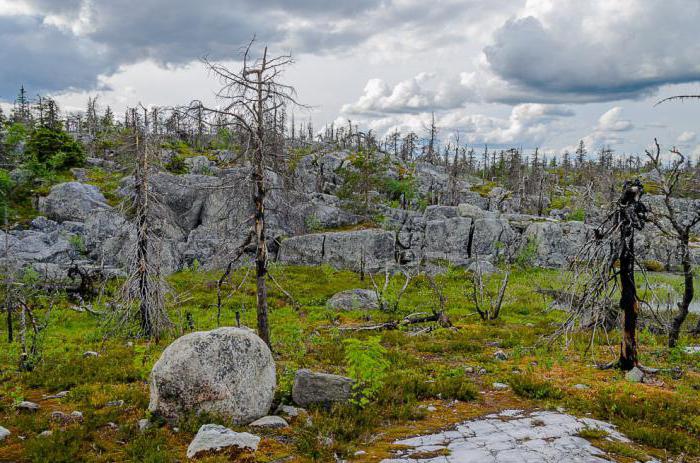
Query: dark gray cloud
{"points": [[45, 59], [48, 54]]}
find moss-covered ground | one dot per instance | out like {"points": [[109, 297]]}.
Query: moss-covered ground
{"points": [[452, 369]]}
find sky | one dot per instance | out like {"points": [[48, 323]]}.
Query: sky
{"points": [[523, 73]]}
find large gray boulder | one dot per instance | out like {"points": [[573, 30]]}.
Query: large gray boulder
{"points": [[354, 299], [227, 371], [311, 388], [72, 201], [212, 438]]}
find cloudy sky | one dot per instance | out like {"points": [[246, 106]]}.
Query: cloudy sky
{"points": [[503, 72]]}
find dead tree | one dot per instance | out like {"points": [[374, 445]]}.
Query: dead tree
{"points": [[487, 304], [676, 224], [605, 265], [145, 286], [251, 98]]}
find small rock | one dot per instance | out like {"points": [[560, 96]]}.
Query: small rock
{"points": [[129, 344], [28, 406], [270, 422], [58, 395], [581, 387], [431, 408], [469, 370], [144, 424], [59, 416], [482, 371], [112, 425], [214, 437], [76, 415], [290, 411], [692, 350], [115, 403], [635, 375], [493, 343], [90, 353], [359, 453], [500, 355], [500, 386], [4, 433], [46, 433], [326, 441]]}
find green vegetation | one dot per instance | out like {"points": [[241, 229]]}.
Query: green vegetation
{"points": [[399, 372]]}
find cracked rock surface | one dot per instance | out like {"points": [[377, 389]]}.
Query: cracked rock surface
{"points": [[510, 436]]}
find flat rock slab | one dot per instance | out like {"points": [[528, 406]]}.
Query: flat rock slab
{"points": [[213, 438], [511, 436]]}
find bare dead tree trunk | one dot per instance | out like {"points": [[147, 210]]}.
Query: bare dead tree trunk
{"points": [[142, 239], [252, 98], [8, 283], [688, 293]]}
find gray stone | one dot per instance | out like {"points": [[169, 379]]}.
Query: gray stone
{"points": [[214, 438], [227, 371], [27, 406], [352, 299], [4, 433], [144, 424], [46, 433], [270, 421], [76, 415], [58, 395], [320, 388], [115, 403], [500, 355], [290, 411], [199, 165], [500, 386], [635, 375], [59, 416], [72, 201], [473, 212], [483, 266], [90, 353], [581, 387]]}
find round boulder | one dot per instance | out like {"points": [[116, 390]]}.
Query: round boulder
{"points": [[227, 371]]}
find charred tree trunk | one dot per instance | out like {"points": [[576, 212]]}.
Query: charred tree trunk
{"points": [[631, 216], [628, 302], [259, 201]]}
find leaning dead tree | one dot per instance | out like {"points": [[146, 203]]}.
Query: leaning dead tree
{"points": [[143, 293], [675, 222], [251, 100], [604, 267]]}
